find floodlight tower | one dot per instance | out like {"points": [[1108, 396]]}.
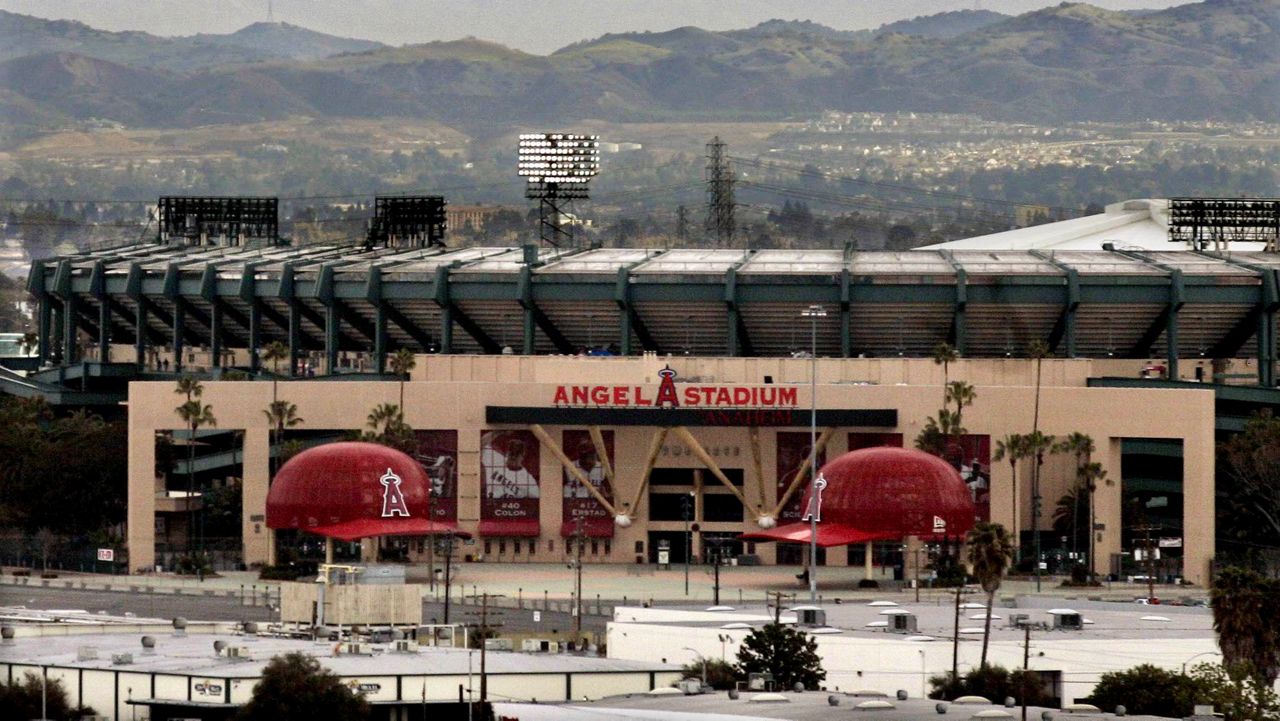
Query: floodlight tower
{"points": [[558, 168]]}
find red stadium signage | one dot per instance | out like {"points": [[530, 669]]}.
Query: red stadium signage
{"points": [[669, 395]]}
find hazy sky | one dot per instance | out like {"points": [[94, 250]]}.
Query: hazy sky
{"points": [[533, 25]]}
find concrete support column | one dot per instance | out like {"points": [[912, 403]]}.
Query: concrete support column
{"points": [[446, 329], [104, 330], [1108, 510], [255, 335], [215, 334], [140, 335], [331, 335], [179, 322], [45, 330], [868, 560], [140, 533], [1199, 513], [380, 338], [69, 330], [258, 540]]}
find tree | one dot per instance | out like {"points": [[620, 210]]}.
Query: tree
{"points": [[195, 414], [1037, 350], [1014, 448], [294, 687], [280, 415], [1245, 604], [24, 700], [989, 554], [962, 395], [1147, 690], [1251, 460], [944, 355], [274, 353], [789, 654], [720, 675], [387, 426], [1081, 446], [401, 363]]}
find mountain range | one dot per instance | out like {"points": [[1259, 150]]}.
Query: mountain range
{"points": [[1218, 59]]}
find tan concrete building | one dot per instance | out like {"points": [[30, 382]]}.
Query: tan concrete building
{"points": [[509, 441]]}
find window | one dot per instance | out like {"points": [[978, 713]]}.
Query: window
{"points": [[639, 546], [488, 546], [671, 507], [595, 548], [515, 547], [502, 546], [533, 547], [721, 507], [608, 547], [551, 546]]}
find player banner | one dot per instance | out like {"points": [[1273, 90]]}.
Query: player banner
{"points": [[792, 450], [509, 469], [971, 455], [438, 453], [579, 503]]}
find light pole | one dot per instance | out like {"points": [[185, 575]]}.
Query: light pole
{"points": [[1198, 655], [701, 658], [724, 638], [924, 675], [813, 313]]}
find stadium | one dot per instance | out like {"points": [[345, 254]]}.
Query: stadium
{"points": [[677, 382]]}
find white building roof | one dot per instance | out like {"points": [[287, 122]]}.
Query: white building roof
{"points": [[1141, 224]]}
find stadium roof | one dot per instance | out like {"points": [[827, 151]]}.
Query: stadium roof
{"points": [[710, 302], [1129, 225]]}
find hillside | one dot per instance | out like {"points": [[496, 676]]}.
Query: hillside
{"points": [[1216, 59], [22, 35]]}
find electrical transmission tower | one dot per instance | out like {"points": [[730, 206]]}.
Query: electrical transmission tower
{"points": [[719, 193], [682, 224]]}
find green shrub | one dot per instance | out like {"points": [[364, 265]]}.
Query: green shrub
{"points": [[721, 675], [994, 683]]}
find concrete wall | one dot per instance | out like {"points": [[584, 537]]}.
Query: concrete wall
{"points": [[451, 392]]}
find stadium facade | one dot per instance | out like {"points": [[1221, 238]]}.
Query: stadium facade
{"points": [[533, 362]]}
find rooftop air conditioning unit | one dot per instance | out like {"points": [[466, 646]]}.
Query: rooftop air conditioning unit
{"points": [[121, 659], [406, 646], [1068, 622], [498, 644], [1018, 620], [905, 623], [357, 649], [87, 653], [238, 652]]}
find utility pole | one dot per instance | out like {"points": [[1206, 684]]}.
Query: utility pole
{"points": [[777, 605], [719, 177], [484, 633], [448, 575], [577, 583], [688, 540], [955, 640], [1026, 665]]}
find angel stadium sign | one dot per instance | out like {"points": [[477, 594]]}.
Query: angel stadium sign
{"points": [[670, 395]]}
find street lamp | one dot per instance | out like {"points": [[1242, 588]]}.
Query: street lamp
{"points": [[813, 313], [1198, 655], [701, 658]]}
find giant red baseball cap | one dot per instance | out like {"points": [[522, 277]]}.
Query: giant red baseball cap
{"points": [[880, 494], [353, 490]]}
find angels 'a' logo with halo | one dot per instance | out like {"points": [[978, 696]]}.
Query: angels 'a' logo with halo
{"points": [[814, 511], [393, 503], [667, 396]]}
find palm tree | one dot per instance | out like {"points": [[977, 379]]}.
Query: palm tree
{"points": [[1244, 608], [1081, 446], [944, 355], [1093, 474], [1037, 350], [401, 363], [989, 554], [962, 394], [194, 414], [280, 415], [1037, 445], [274, 353], [1014, 448]]}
